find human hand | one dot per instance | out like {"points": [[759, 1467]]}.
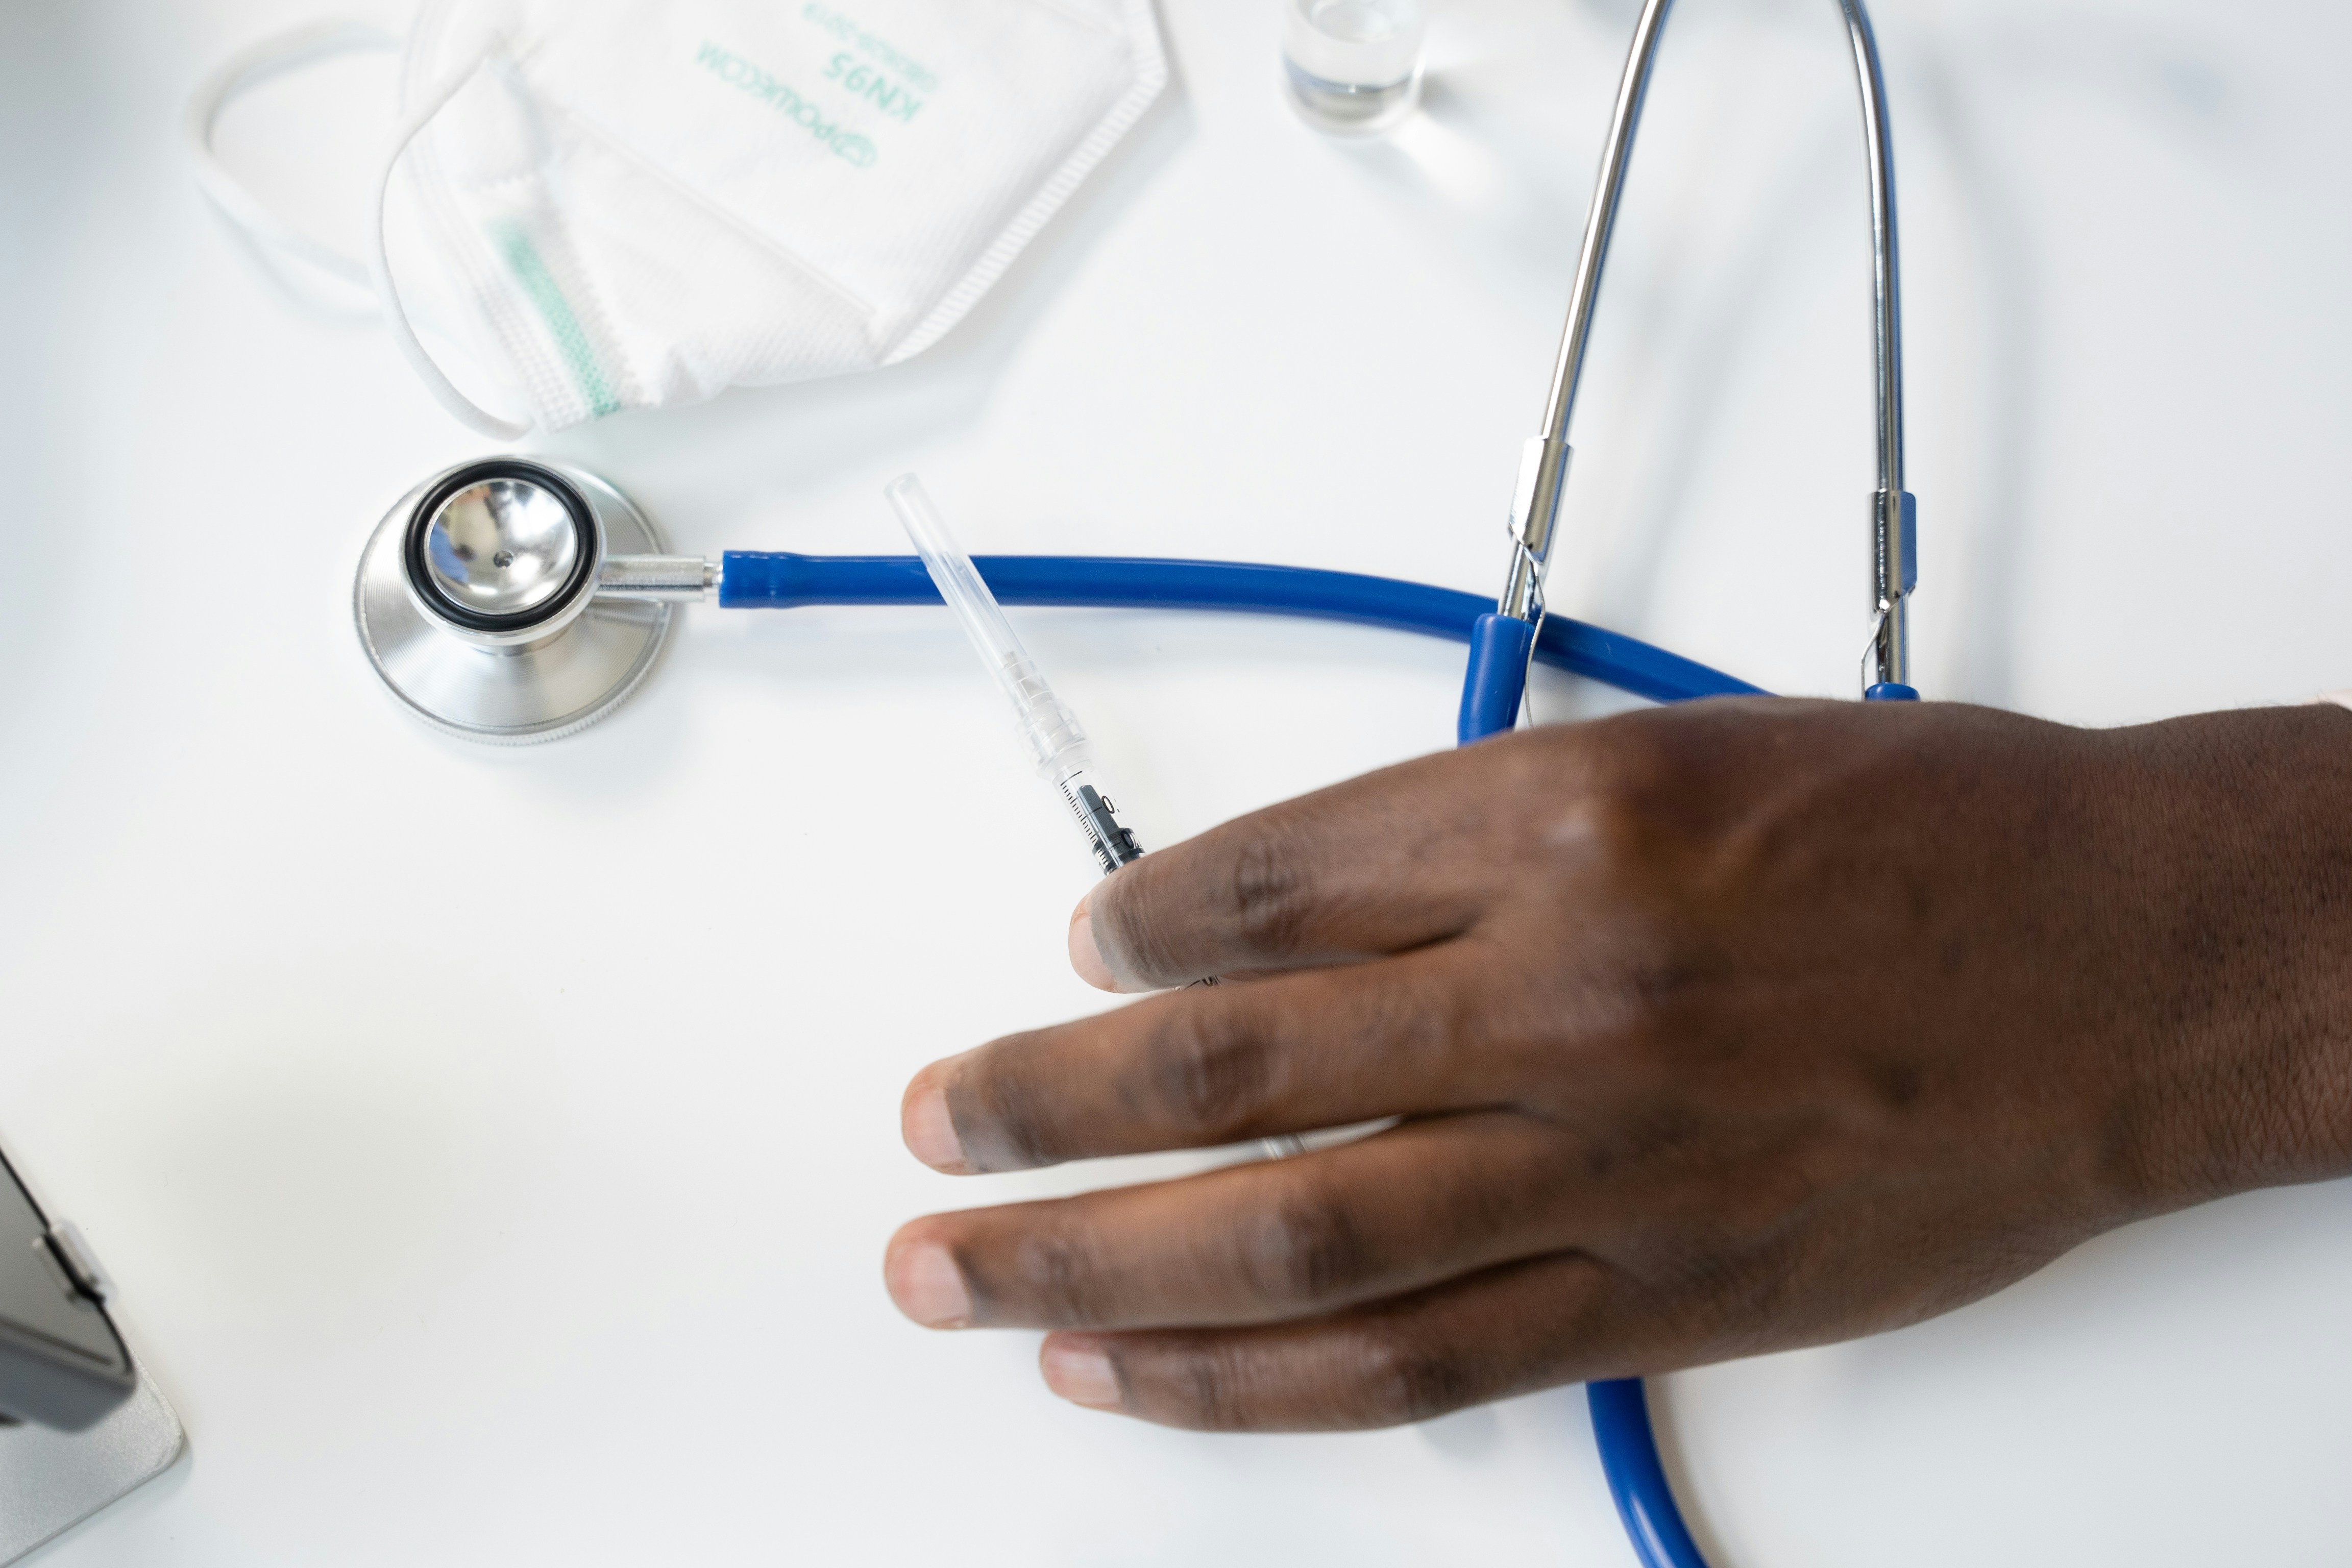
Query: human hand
{"points": [[1712, 1030]]}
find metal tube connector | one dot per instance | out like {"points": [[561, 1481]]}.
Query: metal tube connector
{"points": [[662, 579], [1534, 519], [1894, 529]]}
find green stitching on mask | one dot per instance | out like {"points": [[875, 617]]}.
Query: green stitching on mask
{"points": [[522, 258]]}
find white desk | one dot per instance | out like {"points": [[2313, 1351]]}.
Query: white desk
{"points": [[496, 1149]]}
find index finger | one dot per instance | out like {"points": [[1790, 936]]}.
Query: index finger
{"points": [[1378, 865]]}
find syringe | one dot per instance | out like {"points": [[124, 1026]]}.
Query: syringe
{"points": [[1056, 739]]}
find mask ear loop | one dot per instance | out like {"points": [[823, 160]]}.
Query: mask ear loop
{"points": [[372, 279], [273, 57], [387, 292]]}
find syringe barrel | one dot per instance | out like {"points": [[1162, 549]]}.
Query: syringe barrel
{"points": [[1056, 739], [1089, 797], [1057, 743]]}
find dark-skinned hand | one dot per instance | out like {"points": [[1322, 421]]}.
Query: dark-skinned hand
{"points": [[1712, 1030]]}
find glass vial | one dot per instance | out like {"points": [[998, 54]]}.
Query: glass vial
{"points": [[1354, 66]]}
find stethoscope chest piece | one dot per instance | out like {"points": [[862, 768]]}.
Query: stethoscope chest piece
{"points": [[476, 600]]}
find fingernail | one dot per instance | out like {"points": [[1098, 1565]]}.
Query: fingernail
{"points": [[1085, 956], [1080, 1373], [927, 1286], [928, 1130]]}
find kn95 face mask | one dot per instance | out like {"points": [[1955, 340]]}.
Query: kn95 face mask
{"points": [[633, 203]]}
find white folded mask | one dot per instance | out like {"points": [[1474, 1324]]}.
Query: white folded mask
{"points": [[629, 203]]}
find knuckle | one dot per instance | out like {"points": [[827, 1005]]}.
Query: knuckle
{"points": [[1306, 1251], [1212, 1387], [1609, 828], [1665, 982], [1629, 810], [1250, 893], [1269, 891], [1131, 929], [1006, 1118], [1204, 1074], [1400, 1380], [1059, 1271]]}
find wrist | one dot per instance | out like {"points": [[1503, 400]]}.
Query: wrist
{"points": [[2244, 1054]]}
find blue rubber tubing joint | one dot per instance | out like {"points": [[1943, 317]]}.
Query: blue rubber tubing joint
{"points": [[1496, 682], [1889, 692]]}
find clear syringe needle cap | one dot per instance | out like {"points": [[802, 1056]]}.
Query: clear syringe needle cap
{"points": [[1056, 740], [1055, 736]]}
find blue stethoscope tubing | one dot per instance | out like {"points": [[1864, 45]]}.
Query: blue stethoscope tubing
{"points": [[1501, 647], [778, 580]]}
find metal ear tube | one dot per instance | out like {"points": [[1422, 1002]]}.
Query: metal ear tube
{"points": [[1543, 469]]}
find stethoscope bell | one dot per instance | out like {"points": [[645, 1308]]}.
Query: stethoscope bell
{"points": [[476, 600]]}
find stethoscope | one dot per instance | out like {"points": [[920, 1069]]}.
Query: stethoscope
{"points": [[515, 600]]}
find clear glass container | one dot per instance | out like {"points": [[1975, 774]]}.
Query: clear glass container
{"points": [[1354, 66]]}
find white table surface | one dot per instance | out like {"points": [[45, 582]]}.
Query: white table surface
{"points": [[495, 1149]]}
